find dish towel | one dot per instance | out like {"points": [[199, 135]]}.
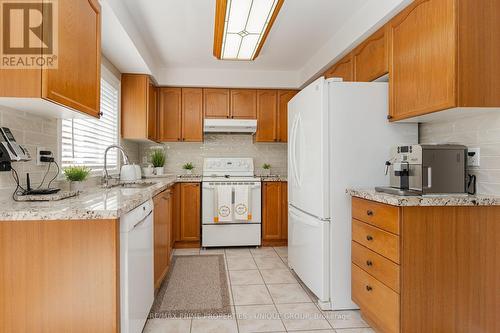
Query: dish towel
{"points": [[241, 200], [224, 203]]}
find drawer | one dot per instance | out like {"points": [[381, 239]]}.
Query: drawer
{"points": [[385, 217], [376, 239], [377, 302], [377, 266]]}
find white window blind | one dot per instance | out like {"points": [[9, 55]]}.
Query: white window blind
{"points": [[84, 140]]}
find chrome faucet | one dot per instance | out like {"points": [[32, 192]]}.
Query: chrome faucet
{"points": [[106, 175]]}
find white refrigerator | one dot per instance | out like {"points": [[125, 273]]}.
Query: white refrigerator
{"points": [[339, 137]]}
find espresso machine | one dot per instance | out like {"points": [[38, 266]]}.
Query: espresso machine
{"points": [[427, 169]]}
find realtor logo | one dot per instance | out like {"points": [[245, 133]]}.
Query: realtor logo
{"points": [[29, 34]]}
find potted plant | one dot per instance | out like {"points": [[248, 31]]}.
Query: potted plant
{"points": [[158, 161], [267, 169], [188, 167], [76, 175]]}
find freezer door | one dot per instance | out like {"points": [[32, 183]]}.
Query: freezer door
{"points": [[308, 150], [308, 248]]}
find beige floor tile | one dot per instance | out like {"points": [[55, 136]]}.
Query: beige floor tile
{"points": [[264, 252], [345, 319], [288, 293], [251, 295], [212, 251], [272, 276], [302, 316], [355, 330], [214, 326], [258, 318], [245, 277], [269, 263], [238, 264], [168, 326], [184, 252], [282, 251]]}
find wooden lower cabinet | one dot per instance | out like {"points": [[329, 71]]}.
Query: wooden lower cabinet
{"points": [[162, 235], [187, 215], [60, 276], [274, 213], [445, 276]]}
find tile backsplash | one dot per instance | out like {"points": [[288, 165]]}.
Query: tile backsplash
{"points": [[221, 145], [482, 131]]}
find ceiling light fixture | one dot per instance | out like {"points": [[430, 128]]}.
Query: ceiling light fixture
{"points": [[242, 26]]}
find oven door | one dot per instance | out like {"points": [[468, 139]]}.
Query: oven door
{"points": [[209, 201]]}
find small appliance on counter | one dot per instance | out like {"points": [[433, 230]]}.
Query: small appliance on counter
{"points": [[427, 169]]}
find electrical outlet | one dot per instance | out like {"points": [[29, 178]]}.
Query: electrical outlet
{"points": [[473, 157], [43, 153]]}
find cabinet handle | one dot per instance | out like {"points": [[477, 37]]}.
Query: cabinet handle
{"points": [[369, 238], [369, 288], [389, 117], [369, 212], [101, 114], [369, 263]]}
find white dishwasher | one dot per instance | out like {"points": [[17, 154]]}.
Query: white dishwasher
{"points": [[136, 267]]}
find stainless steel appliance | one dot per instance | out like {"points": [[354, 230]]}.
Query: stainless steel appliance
{"points": [[229, 187], [427, 169]]}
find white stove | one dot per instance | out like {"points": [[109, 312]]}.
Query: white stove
{"points": [[231, 203]]}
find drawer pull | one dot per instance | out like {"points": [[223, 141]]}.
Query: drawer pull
{"points": [[369, 212], [369, 288], [369, 263], [369, 238]]}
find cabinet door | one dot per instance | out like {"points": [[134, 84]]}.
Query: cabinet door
{"points": [[243, 103], [423, 58], [152, 112], [371, 58], [283, 98], [176, 214], [192, 114], [267, 114], [134, 102], [160, 239], [170, 114], [271, 211], [76, 82], [216, 103], [342, 69], [284, 210], [190, 211]]}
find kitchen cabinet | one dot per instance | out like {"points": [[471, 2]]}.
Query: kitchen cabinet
{"points": [[162, 235], [342, 69], [187, 215], [432, 262], [216, 103], [284, 96], [139, 108], [60, 276], [267, 116], [443, 55], [371, 58], [192, 114], [243, 104], [274, 213], [170, 114], [75, 83]]}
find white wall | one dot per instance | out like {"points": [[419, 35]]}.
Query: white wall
{"points": [[481, 131]]}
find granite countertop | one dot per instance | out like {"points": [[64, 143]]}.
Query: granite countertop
{"points": [[92, 203], [273, 178], [426, 200]]}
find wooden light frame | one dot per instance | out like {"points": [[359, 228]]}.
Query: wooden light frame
{"points": [[220, 16]]}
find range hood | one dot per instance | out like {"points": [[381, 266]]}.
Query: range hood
{"points": [[230, 126]]}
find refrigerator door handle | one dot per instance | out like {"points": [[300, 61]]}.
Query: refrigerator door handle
{"points": [[293, 136]]}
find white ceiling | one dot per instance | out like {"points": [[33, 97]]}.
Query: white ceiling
{"points": [[175, 38]]}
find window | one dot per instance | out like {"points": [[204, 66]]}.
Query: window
{"points": [[83, 141]]}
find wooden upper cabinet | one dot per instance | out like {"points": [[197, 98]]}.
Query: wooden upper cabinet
{"points": [[139, 109], [190, 218], [443, 56], [267, 116], [75, 82], [371, 58], [244, 103], [216, 103], [284, 96], [342, 69], [170, 114], [192, 114]]}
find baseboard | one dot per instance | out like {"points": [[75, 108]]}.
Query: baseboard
{"points": [[275, 242], [187, 244]]}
